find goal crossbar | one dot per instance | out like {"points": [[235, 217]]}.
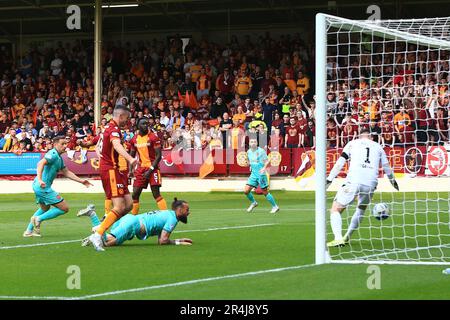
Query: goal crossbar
{"points": [[376, 29]]}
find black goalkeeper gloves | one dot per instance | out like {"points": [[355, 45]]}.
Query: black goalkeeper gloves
{"points": [[395, 185]]}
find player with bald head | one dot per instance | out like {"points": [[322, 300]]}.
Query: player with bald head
{"points": [[114, 181]]}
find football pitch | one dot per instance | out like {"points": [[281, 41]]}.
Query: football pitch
{"points": [[235, 255]]}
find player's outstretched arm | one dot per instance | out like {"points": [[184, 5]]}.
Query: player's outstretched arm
{"points": [[345, 155], [388, 171], [72, 176], [163, 239], [40, 169], [121, 151], [337, 168]]}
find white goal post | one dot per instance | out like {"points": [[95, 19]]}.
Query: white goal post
{"points": [[353, 54]]}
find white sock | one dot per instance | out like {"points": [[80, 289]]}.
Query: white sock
{"points": [[336, 225], [355, 222]]}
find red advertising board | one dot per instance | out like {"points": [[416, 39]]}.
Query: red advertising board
{"points": [[411, 160], [437, 163], [189, 162], [82, 165], [402, 160], [234, 157], [280, 162]]}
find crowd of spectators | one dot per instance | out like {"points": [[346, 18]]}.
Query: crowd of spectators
{"points": [[212, 95], [399, 92]]}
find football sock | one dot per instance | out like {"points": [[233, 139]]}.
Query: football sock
{"points": [[251, 197], [108, 206], [136, 206], [271, 199], [336, 225], [161, 203], [96, 222], [355, 222], [111, 217], [36, 214], [51, 214], [94, 219]]}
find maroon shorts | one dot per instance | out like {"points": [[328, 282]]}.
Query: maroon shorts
{"points": [[115, 183], [127, 174], [141, 182]]}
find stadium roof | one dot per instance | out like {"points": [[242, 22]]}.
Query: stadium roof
{"points": [[49, 16]]}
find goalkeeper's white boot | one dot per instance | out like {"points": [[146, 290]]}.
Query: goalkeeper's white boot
{"points": [[252, 206], [96, 240], [336, 243], [88, 211], [275, 209]]}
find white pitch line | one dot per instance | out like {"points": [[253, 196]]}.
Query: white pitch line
{"points": [[181, 231], [168, 285], [38, 244], [228, 228], [33, 298]]}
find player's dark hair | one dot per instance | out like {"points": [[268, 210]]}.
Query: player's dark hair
{"points": [[177, 203], [364, 130], [252, 135], [57, 138], [142, 119]]}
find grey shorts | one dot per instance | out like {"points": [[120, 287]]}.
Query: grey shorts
{"points": [[348, 192]]}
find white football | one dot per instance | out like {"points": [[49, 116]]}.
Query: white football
{"points": [[380, 211]]}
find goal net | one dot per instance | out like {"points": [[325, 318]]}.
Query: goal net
{"points": [[393, 78]]}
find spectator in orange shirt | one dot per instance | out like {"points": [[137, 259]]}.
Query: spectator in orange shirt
{"points": [[18, 107], [290, 83], [372, 107], [236, 137], [243, 85], [137, 68], [203, 84], [303, 84], [401, 120], [194, 70], [240, 115]]}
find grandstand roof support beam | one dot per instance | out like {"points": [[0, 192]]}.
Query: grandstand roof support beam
{"points": [[98, 62]]}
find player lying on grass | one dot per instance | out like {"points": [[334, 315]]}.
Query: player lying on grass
{"points": [[47, 170], [258, 162], [365, 156], [154, 223]]}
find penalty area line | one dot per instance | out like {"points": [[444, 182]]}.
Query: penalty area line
{"points": [[162, 286], [181, 231]]}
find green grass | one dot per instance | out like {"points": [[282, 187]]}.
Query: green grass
{"points": [[287, 240]]}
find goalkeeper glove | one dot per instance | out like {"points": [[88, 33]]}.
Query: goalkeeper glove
{"points": [[328, 184], [395, 184]]}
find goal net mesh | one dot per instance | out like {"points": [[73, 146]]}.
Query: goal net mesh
{"points": [[392, 77]]}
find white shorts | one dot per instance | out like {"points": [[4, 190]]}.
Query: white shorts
{"points": [[348, 192]]}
